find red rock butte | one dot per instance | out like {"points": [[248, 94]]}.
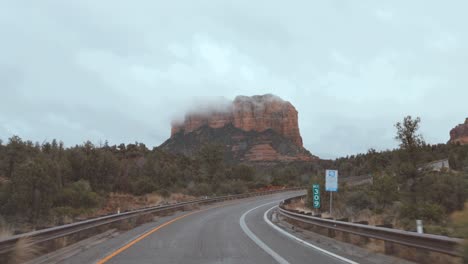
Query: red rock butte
{"points": [[257, 113], [459, 134], [262, 129]]}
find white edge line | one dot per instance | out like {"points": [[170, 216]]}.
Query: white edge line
{"points": [[257, 241], [265, 217]]}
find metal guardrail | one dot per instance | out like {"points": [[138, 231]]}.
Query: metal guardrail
{"points": [[433, 243], [50, 234]]}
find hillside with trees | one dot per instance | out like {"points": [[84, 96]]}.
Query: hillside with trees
{"points": [[43, 184], [48, 184], [403, 189]]}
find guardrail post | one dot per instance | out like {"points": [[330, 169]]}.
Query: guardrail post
{"points": [[346, 237], [389, 247]]}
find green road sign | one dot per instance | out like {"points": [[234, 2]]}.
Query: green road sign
{"points": [[316, 195]]}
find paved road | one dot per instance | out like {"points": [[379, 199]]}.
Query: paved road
{"points": [[212, 235]]}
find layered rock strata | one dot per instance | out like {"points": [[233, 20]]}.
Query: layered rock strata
{"points": [[459, 134]]}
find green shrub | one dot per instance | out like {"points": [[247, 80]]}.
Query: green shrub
{"points": [[445, 189], [238, 187], [384, 190], [67, 211], [200, 189], [257, 184], [231, 187], [359, 200], [460, 225], [243, 172], [431, 213], [143, 185], [77, 195]]}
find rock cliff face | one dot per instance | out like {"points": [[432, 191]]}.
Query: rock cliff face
{"points": [[460, 134], [256, 113], [257, 128]]}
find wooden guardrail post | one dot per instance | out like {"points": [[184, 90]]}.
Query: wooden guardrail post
{"points": [[389, 248]]}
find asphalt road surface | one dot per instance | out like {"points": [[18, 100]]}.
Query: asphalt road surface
{"points": [[231, 232]]}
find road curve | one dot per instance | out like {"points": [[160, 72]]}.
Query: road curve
{"points": [[211, 235]]}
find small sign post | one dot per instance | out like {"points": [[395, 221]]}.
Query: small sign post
{"points": [[316, 195], [331, 184]]}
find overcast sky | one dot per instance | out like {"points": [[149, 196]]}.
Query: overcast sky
{"points": [[122, 70]]}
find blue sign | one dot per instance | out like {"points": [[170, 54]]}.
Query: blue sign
{"points": [[331, 180]]}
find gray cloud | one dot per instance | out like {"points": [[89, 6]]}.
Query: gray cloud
{"points": [[121, 70]]}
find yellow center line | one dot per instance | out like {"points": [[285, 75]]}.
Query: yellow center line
{"points": [[138, 239]]}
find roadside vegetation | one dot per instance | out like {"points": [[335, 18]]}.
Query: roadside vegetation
{"points": [[460, 226], [403, 189], [48, 184]]}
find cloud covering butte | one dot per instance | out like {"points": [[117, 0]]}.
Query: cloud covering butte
{"points": [[122, 70]]}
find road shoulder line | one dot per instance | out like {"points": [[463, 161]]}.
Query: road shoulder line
{"points": [[265, 217], [257, 241]]}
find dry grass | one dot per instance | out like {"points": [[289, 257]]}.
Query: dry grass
{"points": [[125, 202], [5, 230], [124, 225], [4, 180], [179, 197], [364, 215], [153, 199], [460, 225], [460, 220], [369, 216], [24, 249], [298, 205], [191, 207], [144, 219]]}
